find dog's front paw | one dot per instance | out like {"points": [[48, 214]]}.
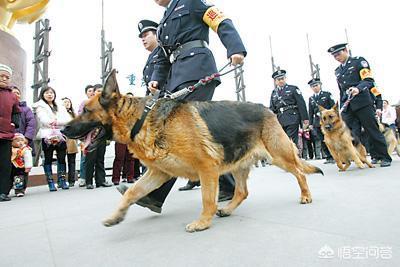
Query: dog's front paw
{"points": [[223, 213], [198, 225], [113, 220], [305, 199]]}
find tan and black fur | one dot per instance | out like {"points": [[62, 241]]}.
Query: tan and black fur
{"points": [[390, 138], [337, 137], [196, 140]]}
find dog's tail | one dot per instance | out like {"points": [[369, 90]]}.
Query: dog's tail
{"points": [[309, 168]]}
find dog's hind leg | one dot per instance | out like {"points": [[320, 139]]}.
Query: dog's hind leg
{"points": [[209, 189], [152, 180], [240, 194], [288, 160]]}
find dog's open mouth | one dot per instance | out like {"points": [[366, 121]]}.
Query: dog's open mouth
{"points": [[93, 139]]}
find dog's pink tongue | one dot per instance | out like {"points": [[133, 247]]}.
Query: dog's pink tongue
{"points": [[88, 140]]}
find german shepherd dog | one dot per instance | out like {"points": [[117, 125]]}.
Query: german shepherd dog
{"points": [[195, 140], [390, 138], [343, 147]]}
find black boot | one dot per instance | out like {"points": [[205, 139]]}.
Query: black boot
{"points": [[189, 186]]}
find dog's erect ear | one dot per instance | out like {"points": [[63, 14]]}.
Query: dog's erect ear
{"points": [[110, 86], [321, 108], [335, 107]]}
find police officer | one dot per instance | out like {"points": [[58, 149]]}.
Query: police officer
{"points": [[147, 32], [183, 37], [357, 88], [288, 103], [185, 59], [324, 99]]}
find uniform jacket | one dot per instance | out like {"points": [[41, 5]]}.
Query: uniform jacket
{"points": [[148, 69], [45, 116], [8, 106], [323, 99], [356, 72], [289, 95], [184, 21], [27, 125]]}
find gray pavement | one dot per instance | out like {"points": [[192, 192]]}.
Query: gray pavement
{"points": [[353, 221]]}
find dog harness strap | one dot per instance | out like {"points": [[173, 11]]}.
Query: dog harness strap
{"points": [[139, 123]]}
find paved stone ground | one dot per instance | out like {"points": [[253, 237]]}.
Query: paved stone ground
{"points": [[353, 220]]}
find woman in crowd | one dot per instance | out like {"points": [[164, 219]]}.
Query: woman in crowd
{"points": [[51, 118], [72, 148], [389, 115]]}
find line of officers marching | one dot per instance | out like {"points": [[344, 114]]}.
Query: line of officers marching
{"points": [[179, 57], [360, 100]]}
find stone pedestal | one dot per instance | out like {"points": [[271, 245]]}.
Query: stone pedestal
{"points": [[12, 54]]}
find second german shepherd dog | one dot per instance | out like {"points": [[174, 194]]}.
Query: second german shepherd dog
{"points": [[390, 138], [343, 147], [195, 140]]}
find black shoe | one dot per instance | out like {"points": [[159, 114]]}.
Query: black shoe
{"points": [[329, 161], [385, 163], [374, 161], [224, 196], [105, 184], [89, 186], [145, 202], [189, 186], [71, 184], [150, 203], [4, 197]]}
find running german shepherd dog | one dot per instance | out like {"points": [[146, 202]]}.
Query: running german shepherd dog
{"points": [[343, 147], [196, 140]]}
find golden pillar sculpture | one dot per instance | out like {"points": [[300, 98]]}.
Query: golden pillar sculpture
{"points": [[11, 52]]}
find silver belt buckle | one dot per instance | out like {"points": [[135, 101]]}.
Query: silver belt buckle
{"points": [[172, 58]]}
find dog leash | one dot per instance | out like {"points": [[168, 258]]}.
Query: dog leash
{"points": [[151, 102], [347, 102], [202, 82], [148, 106]]}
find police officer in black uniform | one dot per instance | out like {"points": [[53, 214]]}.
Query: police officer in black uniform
{"points": [[288, 103], [147, 32], [357, 87], [324, 99], [184, 59]]}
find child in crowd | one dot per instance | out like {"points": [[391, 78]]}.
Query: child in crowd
{"points": [[21, 158]]}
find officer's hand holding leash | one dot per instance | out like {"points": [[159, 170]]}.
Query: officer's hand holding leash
{"points": [[353, 91], [153, 87], [378, 113], [237, 59]]}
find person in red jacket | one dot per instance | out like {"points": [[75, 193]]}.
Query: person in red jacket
{"points": [[9, 119]]}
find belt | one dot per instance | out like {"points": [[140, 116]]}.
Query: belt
{"points": [[185, 47], [283, 109]]}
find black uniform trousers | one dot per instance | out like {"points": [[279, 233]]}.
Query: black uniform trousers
{"points": [[366, 117], [94, 165], [292, 131], [226, 181], [6, 180]]}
